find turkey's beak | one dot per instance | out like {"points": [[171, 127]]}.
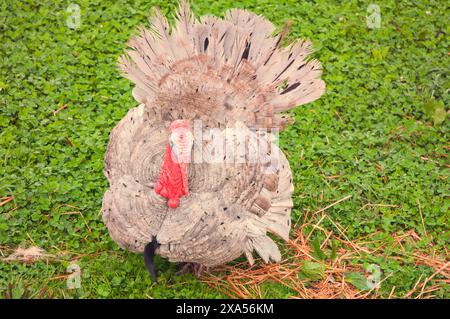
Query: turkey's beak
{"points": [[173, 179]]}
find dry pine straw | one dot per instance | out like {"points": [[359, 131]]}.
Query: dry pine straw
{"points": [[239, 281]]}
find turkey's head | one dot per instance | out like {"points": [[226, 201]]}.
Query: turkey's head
{"points": [[173, 178]]}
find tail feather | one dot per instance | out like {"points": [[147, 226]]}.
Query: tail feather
{"points": [[239, 51]]}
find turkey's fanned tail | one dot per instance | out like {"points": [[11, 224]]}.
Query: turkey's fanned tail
{"points": [[239, 54]]}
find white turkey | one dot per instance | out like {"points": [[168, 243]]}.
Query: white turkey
{"points": [[173, 191]]}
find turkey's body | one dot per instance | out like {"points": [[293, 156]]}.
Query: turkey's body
{"points": [[226, 74]]}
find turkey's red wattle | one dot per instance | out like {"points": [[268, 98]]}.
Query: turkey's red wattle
{"points": [[173, 179]]}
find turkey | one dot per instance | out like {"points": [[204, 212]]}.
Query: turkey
{"points": [[194, 171]]}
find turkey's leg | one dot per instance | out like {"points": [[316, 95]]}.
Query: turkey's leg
{"points": [[149, 254], [195, 268]]}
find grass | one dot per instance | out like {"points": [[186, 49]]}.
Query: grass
{"points": [[379, 134]]}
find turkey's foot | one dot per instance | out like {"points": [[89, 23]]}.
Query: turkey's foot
{"points": [[194, 268]]}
